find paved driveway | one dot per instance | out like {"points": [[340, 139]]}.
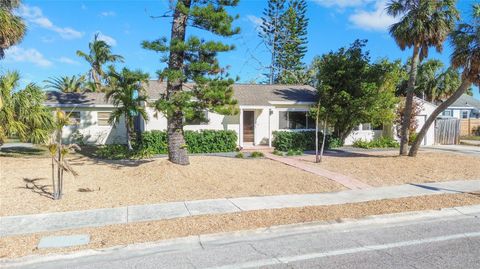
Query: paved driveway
{"points": [[461, 149]]}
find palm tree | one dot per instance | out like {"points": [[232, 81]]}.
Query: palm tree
{"points": [[22, 112], [12, 27], [423, 24], [66, 83], [127, 94], [100, 54], [466, 56]]}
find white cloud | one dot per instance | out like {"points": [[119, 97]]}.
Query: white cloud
{"points": [[108, 39], [255, 20], [342, 3], [373, 20], [35, 16], [19, 54], [67, 60], [108, 14]]}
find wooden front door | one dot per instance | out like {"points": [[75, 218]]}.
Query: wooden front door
{"points": [[248, 126]]}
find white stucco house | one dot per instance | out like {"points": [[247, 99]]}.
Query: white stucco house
{"points": [[263, 109], [465, 107]]}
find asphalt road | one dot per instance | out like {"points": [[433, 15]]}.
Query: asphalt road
{"points": [[430, 240]]}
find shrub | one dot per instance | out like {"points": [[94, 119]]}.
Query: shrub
{"points": [[205, 141], [239, 155], [294, 152], [113, 152], [334, 142], [257, 154], [279, 153], [304, 140], [382, 142]]}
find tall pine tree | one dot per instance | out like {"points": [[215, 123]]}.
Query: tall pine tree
{"points": [[270, 32], [293, 45], [194, 59], [284, 32]]}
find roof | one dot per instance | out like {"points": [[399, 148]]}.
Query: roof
{"points": [[245, 94], [55, 98], [466, 101]]}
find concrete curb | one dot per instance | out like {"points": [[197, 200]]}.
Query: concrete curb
{"points": [[209, 240], [25, 224]]}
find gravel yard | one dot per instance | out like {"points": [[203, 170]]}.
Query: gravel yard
{"points": [[103, 184], [114, 235], [387, 168]]}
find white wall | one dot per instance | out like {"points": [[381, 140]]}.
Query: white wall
{"points": [[89, 132], [425, 112]]}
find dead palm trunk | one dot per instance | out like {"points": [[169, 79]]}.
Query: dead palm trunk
{"points": [[177, 151], [407, 114], [461, 90]]}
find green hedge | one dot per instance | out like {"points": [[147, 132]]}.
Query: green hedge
{"points": [[300, 141], [204, 141], [381, 142]]}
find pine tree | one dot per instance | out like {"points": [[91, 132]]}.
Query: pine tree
{"points": [[195, 60], [293, 45], [270, 32]]}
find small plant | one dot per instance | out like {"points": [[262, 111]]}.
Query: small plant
{"points": [[334, 142], [279, 153], [257, 154], [113, 152], [240, 155], [360, 143], [382, 142], [294, 152]]}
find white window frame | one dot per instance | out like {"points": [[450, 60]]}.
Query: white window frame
{"points": [[102, 118], [447, 113], [294, 110], [463, 111]]}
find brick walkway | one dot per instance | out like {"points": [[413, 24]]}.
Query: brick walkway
{"points": [[349, 182]]}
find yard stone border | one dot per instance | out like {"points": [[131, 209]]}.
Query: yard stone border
{"points": [[25, 224]]}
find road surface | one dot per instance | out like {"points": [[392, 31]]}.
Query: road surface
{"points": [[426, 240]]}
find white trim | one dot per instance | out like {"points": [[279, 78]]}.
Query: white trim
{"points": [[461, 107], [254, 107], [79, 106], [291, 103], [299, 109]]}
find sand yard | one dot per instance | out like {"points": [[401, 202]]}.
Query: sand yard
{"points": [[387, 168], [103, 184]]}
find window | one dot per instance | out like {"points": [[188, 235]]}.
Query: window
{"points": [[102, 118], [74, 118], [465, 114], [447, 113], [198, 121], [295, 120]]}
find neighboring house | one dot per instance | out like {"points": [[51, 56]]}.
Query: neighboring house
{"points": [[263, 109], [465, 107]]}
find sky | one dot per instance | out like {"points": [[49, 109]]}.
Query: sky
{"points": [[58, 28]]}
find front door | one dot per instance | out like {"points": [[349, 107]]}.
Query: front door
{"points": [[248, 126]]}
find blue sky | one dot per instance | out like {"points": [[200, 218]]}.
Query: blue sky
{"points": [[57, 29]]}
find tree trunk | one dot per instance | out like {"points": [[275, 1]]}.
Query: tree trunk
{"points": [[177, 151], [404, 133], [127, 127], [317, 116], [461, 90], [59, 159], [324, 138]]}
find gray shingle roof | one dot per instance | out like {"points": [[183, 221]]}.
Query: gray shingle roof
{"points": [[81, 99], [245, 94], [466, 101]]}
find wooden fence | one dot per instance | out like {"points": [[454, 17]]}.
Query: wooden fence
{"points": [[447, 131], [469, 127]]}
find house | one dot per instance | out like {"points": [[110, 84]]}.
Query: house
{"points": [[263, 109], [465, 107]]}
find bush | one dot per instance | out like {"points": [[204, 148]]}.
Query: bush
{"points": [[276, 152], [334, 142], [294, 153], [257, 154], [113, 152], [304, 140], [205, 141], [239, 155], [382, 142]]}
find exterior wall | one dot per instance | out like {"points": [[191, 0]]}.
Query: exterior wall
{"points": [[367, 135], [426, 111], [89, 132]]}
